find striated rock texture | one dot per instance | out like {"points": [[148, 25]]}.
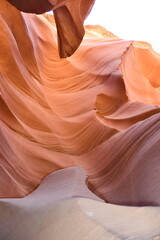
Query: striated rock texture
{"points": [[69, 17], [98, 109], [92, 118], [63, 208]]}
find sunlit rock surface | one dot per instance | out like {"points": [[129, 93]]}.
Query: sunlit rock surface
{"points": [[63, 208], [69, 17], [98, 109]]}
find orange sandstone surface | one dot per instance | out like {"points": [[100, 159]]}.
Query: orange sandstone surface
{"points": [[98, 109], [69, 17], [94, 116]]}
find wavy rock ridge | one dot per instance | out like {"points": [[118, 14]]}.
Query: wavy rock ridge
{"points": [[63, 207], [69, 17], [98, 109]]}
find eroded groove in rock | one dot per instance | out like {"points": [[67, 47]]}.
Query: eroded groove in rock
{"points": [[63, 206], [69, 17], [98, 109]]}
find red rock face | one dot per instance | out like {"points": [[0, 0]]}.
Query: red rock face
{"points": [[98, 109], [69, 17], [29, 6]]}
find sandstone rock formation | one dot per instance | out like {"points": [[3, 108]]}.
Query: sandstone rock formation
{"points": [[63, 208], [98, 109], [69, 17]]}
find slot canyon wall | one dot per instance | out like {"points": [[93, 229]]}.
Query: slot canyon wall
{"points": [[85, 127]]}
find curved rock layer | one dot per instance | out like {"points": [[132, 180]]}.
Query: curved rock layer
{"points": [[66, 209], [98, 109], [69, 17]]}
